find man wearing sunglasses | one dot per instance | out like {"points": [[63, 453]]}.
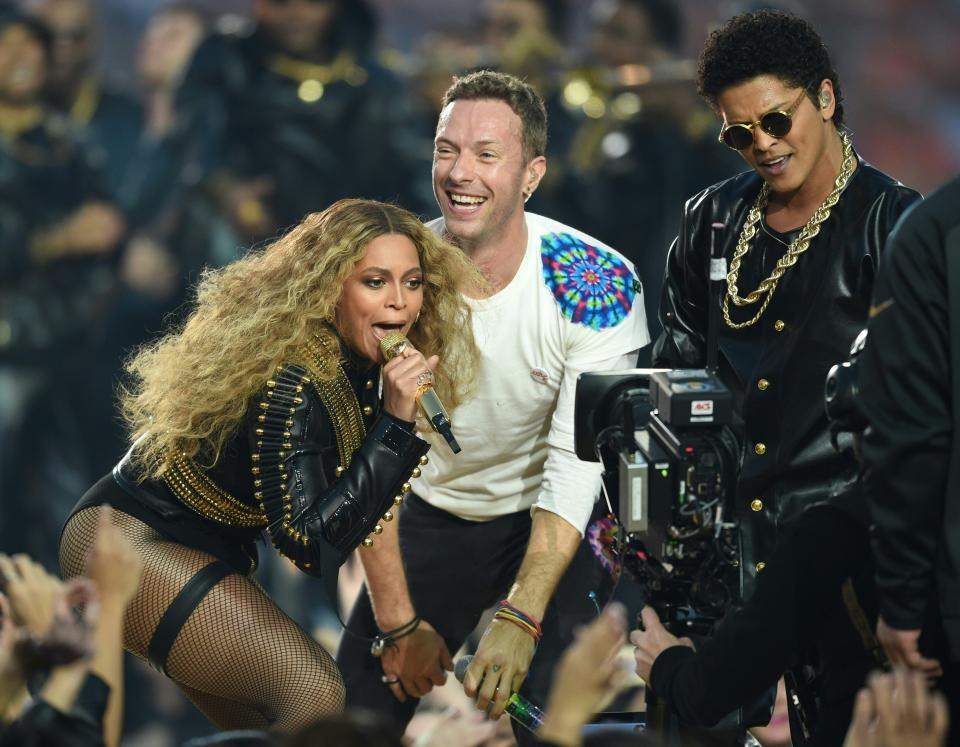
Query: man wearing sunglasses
{"points": [[802, 233]]}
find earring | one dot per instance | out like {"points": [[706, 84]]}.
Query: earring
{"points": [[416, 318], [527, 196], [824, 99]]}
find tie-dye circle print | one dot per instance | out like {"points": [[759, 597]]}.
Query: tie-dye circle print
{"points": [[594, 287]]}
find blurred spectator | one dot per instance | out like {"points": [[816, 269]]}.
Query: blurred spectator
{"points": [[109, 121], [777, 731], [352, 729], [897, 710], [586, 679], [74, 661], [58, 246], [526, 38], [171, 230], [645, 142], [297, 114]]}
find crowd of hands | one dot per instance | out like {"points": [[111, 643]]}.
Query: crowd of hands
{"points": [[77, 623]]}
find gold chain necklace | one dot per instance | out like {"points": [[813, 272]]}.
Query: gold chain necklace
{"points": [[797, 247]]}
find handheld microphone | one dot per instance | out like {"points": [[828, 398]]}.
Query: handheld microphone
{"points": [[518, 708], [392, 345]]}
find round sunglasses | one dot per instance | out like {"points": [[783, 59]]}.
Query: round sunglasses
{"points": [[776, 124]]}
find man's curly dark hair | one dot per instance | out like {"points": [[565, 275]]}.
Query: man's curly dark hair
{"points": [[767, 42]]}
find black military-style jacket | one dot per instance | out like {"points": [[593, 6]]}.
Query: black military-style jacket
{"points": [[776, 368], [317, 477]]}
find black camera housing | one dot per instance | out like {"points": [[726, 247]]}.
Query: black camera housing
{"points": [[676, 465]]}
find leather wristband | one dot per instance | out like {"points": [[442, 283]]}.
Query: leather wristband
{"points": [[383, 641]]}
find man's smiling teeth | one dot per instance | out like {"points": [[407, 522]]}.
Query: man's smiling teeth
{"points": [[466, 199], [775, 161]]}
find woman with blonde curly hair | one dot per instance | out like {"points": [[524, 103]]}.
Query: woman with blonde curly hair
{"points": [[264, 412]]}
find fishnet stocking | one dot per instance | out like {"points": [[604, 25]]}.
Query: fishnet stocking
{"points": [[238, 657]]}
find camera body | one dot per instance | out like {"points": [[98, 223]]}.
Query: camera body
{"points": [[676, 463]]}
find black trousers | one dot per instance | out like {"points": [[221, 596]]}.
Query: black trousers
{"points": [[457, 569]]}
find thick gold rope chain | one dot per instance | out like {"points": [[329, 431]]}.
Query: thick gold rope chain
{"points": [[797, 247]]}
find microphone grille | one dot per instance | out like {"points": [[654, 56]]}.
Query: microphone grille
{"points": [[392, 344], [461, 666]]}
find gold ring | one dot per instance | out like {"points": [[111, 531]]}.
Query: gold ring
{"points": [[425, 378]]}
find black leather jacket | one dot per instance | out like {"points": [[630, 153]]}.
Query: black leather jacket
{"points": [[776, 368], [285, 469]]}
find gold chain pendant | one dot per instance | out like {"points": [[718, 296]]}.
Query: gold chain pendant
{"points": [[796, 248]]}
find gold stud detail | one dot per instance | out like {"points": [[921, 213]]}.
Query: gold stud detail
{"points": [[405, 488], [398, 500], [367, 410], [388, 516], [416, 473], [367, 542], [760, 566], [760, 449], [378, 529], [369, 384], [339, 470], [424, 460], [264, 405], [756, 505], [763, 385], [255, 470], [779, 325], [262, 418]]}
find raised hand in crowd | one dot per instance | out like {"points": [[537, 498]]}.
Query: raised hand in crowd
{"points": [[11, 677], [586, 679], [40, 631], [454, 726], [897, 710], [114, 567]]}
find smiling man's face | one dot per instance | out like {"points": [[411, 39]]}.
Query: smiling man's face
{"points": [[479, 173]]}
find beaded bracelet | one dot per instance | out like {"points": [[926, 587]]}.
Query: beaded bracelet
{"points": [[526, 623], [389, 639]]}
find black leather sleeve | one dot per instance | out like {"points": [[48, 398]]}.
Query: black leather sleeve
{"points": [[316, 508]]}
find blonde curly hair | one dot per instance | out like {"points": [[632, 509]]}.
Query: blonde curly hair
{"points": [[189, 391]]}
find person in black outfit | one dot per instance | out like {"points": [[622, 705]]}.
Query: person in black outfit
{"points": [[263, 412], [908, 384], [59, 242], [803, 233], [107, 120], [296, 114]]}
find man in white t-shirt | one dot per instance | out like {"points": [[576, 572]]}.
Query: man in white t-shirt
{"points": [[502, 523]]}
